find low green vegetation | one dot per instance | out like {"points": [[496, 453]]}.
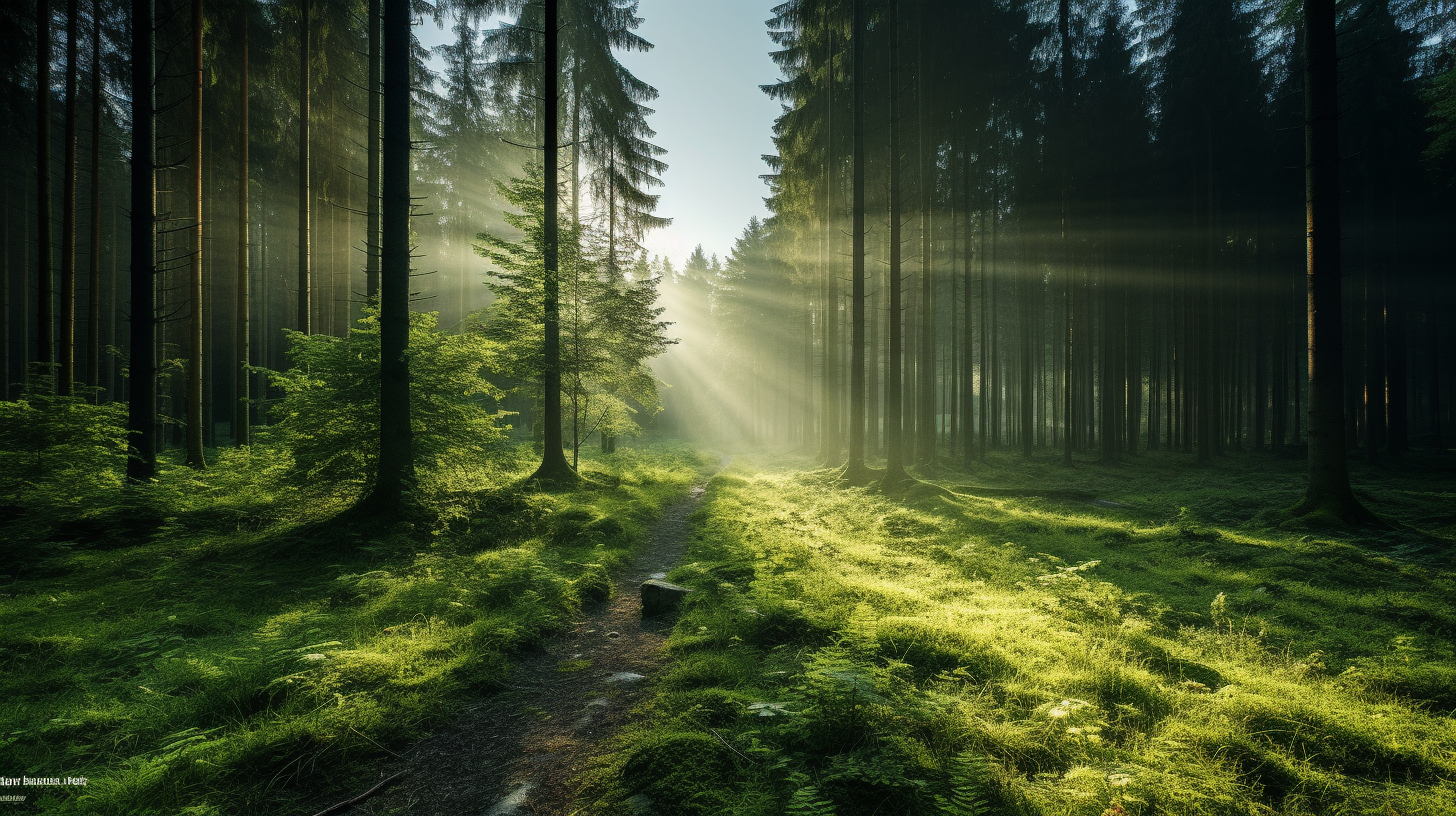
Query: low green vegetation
{"points": [[219, 643], [1149, 646]]}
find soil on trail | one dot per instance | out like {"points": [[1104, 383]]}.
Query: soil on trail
{"points": [[517, 751]]}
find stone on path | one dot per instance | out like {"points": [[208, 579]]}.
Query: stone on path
{"points": [[659, 597], [511, 804]]}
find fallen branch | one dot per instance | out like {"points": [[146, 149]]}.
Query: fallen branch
{"points": [[361, 797], [726, 744]]}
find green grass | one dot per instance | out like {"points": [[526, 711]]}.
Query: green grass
{"points": [[237, 652], [1179, 647]]}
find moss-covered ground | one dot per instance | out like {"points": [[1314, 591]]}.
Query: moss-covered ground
{"points": [[214, 645], [1168, 642]]}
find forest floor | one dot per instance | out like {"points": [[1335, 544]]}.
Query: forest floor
{"points": [[517, 751], [219, 644], [1020, 638], [1016, 638]]}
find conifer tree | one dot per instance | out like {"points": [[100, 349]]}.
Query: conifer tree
{"points": [[141, 410], [1328, 490], [394, 485]]}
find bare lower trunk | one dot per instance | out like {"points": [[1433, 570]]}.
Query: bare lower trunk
{"points": [[894, 367], [93, 278], [394, 484], [1328, 491], [141, 411], [45, 291], [554, 467], [195, 456], [242, 434], [305, 283], [856, 469], [371, 229], [66, 378]]}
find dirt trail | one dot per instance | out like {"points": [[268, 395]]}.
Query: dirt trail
{"points": [[516, 752]]}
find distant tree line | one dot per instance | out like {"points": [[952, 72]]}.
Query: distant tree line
{"points": [[1078, 226]]}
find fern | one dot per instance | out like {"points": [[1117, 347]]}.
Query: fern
{"points": [[806, 800], [970, 779]]}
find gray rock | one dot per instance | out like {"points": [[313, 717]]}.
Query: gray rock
{"points": [[512, 804], [660, 598], [625, 677]]}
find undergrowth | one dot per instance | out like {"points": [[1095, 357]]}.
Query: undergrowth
{"points": [[214, 643], [1161, 648]]}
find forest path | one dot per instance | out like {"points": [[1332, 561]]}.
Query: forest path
{"points": [[517, 751]]}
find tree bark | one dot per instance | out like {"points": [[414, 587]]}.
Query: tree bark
{"points": [[141, 409], [5, 312], [988, 253], [554, 467], [894, 371], [371, 228], [66, 379], [195, 457], [242, 434], [855, 469], [1065, 244], [394, 485], [305, 283], [832, 406], [926, 402], [1328, 491], [93, 278], [45, 291]]}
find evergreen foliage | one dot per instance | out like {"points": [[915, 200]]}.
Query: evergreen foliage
{"points": [[328, 417], [59, 452], [610, 323]]}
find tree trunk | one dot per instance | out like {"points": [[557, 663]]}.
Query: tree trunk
{"points": [[554, 467], [141, 424], [93, 280], [1439, 441], [371, 228], [856, 470], [968, 358], [1026, 380], [242, 434], [1396, 368], [1261, 345], [926, 402], [1065, 244], [45, 291], [987, 267], [1133, 362], [305, 282], [195, 456], [832, 408], [66, 379], [894, 373], [1328, 491], [5, 312], [393, 488]]}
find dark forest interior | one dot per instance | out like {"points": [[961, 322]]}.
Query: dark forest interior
{"points": [[1070, 434]]}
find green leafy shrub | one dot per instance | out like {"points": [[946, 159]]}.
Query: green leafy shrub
{"points": [[329, 416], [62, 450]]}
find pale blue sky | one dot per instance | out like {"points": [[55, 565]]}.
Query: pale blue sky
{"points": [[711, 56]]}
